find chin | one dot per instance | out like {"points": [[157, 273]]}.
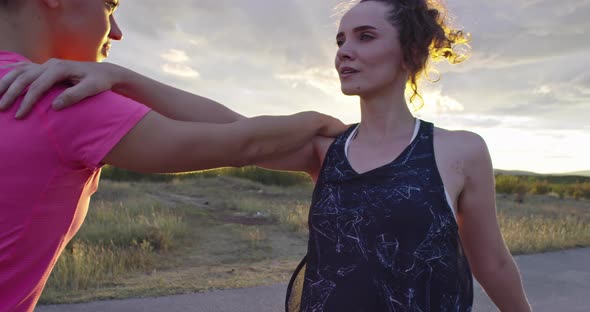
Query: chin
{"points": [[352, 90], [349, 92], [82, 58]]}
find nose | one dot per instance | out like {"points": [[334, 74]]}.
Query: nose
{"points": [[345, 53], [115, 33]]}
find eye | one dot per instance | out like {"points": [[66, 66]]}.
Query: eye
{"points": [[365, 37], [339, 42]]}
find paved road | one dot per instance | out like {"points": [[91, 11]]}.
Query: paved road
{"points": [[556, 281]]}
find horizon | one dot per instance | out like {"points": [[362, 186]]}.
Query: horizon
{"points": [[582, 173], [523, 89]]}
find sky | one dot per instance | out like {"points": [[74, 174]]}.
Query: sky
{"points": [[525, 88]]}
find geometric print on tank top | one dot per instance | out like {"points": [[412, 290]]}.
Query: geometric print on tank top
{"points": [[383, 240]]}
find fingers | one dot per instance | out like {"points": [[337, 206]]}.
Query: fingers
{"points": [[43, 82], [18, 83], [9, 78], [88, 79], [19, 64], [5, 83], [86, 88]]}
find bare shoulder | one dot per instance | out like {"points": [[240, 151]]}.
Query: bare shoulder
{"points": [[463, 160], [462, 145]]}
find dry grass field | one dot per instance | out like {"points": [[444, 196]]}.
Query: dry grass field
{"points": [[161, 238]]}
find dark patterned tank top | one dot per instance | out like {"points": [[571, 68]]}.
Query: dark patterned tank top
{"points": [[384, 240]]}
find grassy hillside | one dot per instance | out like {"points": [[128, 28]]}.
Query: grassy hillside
{"points": [[161, 238], [282, 178]]}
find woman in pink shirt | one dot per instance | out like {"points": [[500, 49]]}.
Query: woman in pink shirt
{"points": [[50, 162], [386, 233]]}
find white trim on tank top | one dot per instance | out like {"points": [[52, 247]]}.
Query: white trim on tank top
{"points": [[416, 130]]}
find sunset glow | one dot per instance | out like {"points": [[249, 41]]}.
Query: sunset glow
{"points": [[525, 88]]}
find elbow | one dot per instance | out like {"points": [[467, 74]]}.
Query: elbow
{"points": [[491, 268]]}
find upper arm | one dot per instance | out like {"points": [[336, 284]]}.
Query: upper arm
{"points": [[307, 159], [112, 129], [160, 144], [477, 218], [83, 134], [303, 160]]}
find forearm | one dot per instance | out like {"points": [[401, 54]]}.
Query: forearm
{"points": [[169, 101], [177, 146], [504, 286], [275, 141]]}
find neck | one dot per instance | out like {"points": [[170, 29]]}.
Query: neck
{"points": [[385, 116], [22, 32]]}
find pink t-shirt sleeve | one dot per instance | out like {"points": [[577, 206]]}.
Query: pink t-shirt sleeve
{"points": [[86, 132]]}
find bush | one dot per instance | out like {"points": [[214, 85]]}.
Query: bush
{"points": [[267, 177], [263, 176], [511, 185], [560, 190], [583, 189], [118, 174], [540, 187]]}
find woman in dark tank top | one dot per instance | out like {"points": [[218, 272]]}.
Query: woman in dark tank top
{"points": [[385, 239], [402, 212]]}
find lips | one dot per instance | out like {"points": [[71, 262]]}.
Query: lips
{"points": [[105, 49], [346, 72]]}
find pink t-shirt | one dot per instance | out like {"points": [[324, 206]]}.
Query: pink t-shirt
{"points": [[49, 167]]}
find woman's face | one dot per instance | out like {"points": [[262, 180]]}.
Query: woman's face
{"points": [[369, 58], [84, 29]]}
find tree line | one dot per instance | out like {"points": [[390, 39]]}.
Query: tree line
{"points": [[577, 187]]}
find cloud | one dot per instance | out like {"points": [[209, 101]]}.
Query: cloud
{"points": [[436, 103], [542, 90], [175, 64], [175, 56], [509, 33], [324, 79], [180, 70], [527, 69]]}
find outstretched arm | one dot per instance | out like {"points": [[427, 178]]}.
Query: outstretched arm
{"points": [[490, 260], [169, 101], [90, 78], [159, 144]]}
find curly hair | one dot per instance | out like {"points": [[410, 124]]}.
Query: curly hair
{"points": [[425, 35]]}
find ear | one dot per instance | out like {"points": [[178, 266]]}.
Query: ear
{"points": [[52, 4]]}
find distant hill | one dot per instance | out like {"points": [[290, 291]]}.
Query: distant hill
{"points": [[516, 172], [577, 173], [585, 173], [559, 178]]}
